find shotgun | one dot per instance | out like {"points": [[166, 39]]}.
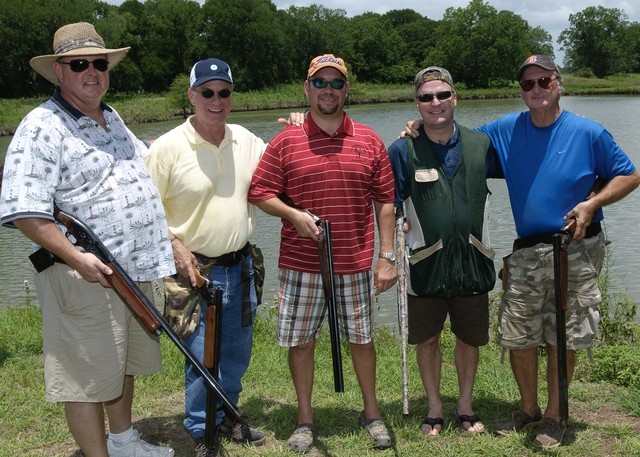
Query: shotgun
{"points": [[401, 255], [561, 242], [329, 288], [80, 234], [211, 360]]}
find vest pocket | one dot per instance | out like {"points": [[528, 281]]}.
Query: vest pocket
{"points": [[427, 184]]}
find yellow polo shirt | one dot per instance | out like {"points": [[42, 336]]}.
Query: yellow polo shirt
{"points": [[204, 188]]}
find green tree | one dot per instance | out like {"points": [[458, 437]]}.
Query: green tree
{"points": [[315, 30], [418, 34], [378, 50], [39, 19], [481, 46], [170, 42], [248, 35], [598, 39]]}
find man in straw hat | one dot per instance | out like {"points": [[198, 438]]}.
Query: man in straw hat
{"points": [[76, 152]]}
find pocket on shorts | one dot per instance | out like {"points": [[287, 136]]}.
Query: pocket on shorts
{"points": [[583, 279]]}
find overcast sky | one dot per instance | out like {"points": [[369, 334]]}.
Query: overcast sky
{"points": [[551, 15]]}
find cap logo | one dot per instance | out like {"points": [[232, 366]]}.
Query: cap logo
{"points": [[532, 59], [327, 59], [214, 67]]}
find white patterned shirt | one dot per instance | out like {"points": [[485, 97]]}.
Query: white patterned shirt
{"points": [[58, 154]]}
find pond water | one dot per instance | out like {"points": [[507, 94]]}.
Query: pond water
{"points": [[619, 114]]}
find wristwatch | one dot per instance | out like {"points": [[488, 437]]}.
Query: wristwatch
{"points": [[391, 256]]}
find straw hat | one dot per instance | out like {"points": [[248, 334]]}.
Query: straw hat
{"points": [[79, 39]]}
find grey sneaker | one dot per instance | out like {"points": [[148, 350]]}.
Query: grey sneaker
{"points": [[549, 435], [377, 431], [301, 440], [137, 447], [240, 432], [521, 420]]}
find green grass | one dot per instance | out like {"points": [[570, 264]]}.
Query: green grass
{"points": [[604, 416], [141, 108]]}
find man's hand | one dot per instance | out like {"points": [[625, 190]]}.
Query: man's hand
{"points": [[185, 261], [295, 119], [305, 224], [384, 275], [411, 128]]}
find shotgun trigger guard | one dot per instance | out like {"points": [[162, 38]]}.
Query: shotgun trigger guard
{"points": [[81, 239]]}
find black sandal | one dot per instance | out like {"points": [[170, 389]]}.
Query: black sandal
{"points": [[432, 422], [462, 418]]}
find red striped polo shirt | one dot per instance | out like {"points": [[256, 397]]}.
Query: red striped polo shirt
{"points": [[336, 177]]}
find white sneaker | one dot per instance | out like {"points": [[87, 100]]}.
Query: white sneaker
{"points": [[137, 447]]}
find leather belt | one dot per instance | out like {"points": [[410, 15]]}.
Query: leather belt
{"points": [[547, 238], [225, 260]]}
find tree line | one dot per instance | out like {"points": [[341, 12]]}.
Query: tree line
{"points": [[265, 46]]}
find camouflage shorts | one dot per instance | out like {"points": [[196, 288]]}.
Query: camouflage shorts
{"points": [[527, 310]]}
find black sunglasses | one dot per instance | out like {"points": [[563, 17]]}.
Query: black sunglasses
{"points": [[80, 65], [320, 83], [209, 93], [544, 83], [428, 98]]}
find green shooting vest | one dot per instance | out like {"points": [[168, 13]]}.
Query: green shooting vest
{"points": [[451, 214]]}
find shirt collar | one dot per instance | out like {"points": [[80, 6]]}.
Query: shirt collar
{"points": [[66, 106], [311, 128], [195, 138]]}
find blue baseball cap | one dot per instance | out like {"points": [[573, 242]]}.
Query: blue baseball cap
{"points": [[209, 70]]}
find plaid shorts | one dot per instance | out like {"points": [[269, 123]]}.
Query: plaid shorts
{"points": [[527, 316], [302, 307]]}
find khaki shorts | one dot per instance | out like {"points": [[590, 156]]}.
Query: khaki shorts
{"points": [[527, 311], [302, 308], [90, 338]]}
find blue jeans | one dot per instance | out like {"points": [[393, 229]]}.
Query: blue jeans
{"points": [[235, 347]]}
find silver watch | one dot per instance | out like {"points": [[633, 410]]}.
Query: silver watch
{"points": [[388, 255]]}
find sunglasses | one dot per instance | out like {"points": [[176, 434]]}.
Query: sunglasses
{"points": [[209, 93], [528, 84], [428, 98], [80, 65], [320, 83]]}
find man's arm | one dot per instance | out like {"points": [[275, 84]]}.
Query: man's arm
{"points": [[614, 190], [44, 233], [385, 273], [300, 219]]}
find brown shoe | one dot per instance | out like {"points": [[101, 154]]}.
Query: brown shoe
{"points": [[521, 420], [549, 435]]}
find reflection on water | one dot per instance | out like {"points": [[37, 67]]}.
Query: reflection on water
{"points": [[618, 114]]}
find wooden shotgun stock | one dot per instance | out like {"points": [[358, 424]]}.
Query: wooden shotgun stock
{"points": [[80, 234], [561, 242], [212, 339]]}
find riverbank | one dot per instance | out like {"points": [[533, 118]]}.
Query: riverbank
{"points": [[604, 416], [143, 108]]}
